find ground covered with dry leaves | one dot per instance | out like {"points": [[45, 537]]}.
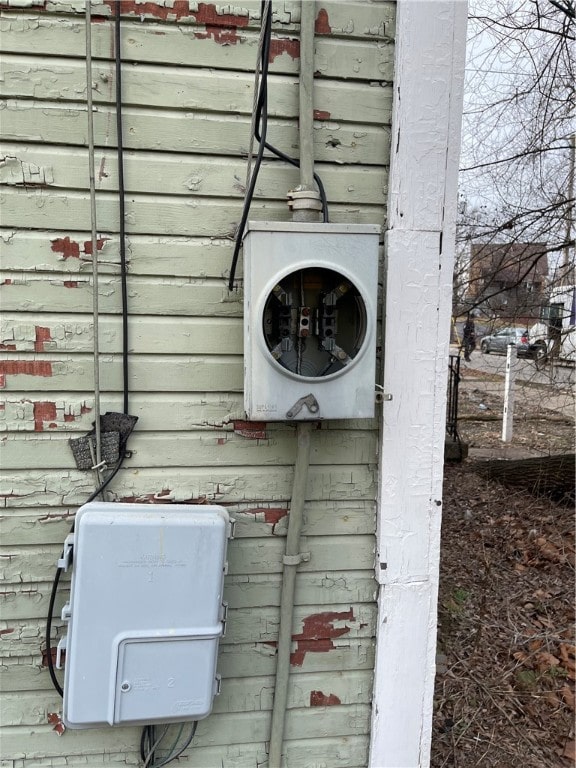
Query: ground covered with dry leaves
{"points": [[506, 659]]}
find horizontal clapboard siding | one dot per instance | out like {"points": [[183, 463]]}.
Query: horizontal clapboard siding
{"points": [[311, 736], [348, 654], [39, 526], [171, 130], [218, 448], [169, 87], [187, 107], [160, 43], [60, 168]]}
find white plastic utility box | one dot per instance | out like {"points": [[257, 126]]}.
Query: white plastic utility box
{"points": [[310, 297], [146, 613]]}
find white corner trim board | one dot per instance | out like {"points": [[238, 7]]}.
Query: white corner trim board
{"points": [[428, 91]]}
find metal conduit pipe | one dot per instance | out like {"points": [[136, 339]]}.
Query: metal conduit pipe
{"points": [[94, 237], [293, 557], [305, 94], [305, 199]]}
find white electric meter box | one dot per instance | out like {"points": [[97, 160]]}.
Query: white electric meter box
{"points": [[145, 613], [310, 300]]}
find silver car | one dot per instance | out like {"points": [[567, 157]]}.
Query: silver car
{"points": [[499, 341]]}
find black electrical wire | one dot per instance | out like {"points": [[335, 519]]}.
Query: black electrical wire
{"points": [[294, 161], [150, 745], [56, 581], [49, 659], [175, 754], [261, 124], [263, 117]]}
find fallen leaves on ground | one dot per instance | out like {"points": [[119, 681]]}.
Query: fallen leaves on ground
{"points": [[505, 680]]}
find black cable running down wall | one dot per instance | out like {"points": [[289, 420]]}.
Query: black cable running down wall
{"points": [[261, 125], [263, 117], [293, 161]]}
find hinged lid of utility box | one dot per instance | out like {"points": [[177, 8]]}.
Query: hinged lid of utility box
{"points": [[145, 613]]}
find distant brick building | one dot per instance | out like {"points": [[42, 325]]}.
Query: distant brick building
{"points": [[508, 280]]}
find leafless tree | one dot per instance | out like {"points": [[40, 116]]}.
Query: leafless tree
{"points": [[517, 174]]}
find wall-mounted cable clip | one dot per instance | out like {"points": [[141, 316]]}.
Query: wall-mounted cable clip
{"points": [[65, 560]]}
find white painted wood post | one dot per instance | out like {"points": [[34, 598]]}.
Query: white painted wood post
{"points": [[420, 245], [509, 380]]}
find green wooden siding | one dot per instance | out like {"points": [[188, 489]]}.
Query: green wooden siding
{"points": [[188, 95]]}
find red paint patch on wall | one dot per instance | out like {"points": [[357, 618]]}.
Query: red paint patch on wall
{"points": [[8, 347], [68, 248], [71, 248], [45, 411], [220, 36], [27, 367], [8, 281], [321, 115], [99, 245], [322, 24], [278, 47], [253, 430], [317, 634], [55, 720], [53, 655], [271, 516], [207, 14], [70, 284], [319, 699], [42, 335]]}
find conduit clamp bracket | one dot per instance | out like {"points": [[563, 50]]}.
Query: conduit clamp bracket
{"points": [[224, 617], [66, 560], [59, 648], [301, 557]]}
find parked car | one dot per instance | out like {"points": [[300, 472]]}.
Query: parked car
{"points": [[498, 342]]}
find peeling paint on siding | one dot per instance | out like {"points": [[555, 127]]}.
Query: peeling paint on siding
{"points": [[278, 46], [319, 699], [317, 634], [19, 173], [71, 248], [269, 515], [176, 10], [27, 367], [253, 430], [322, 25], [188, 86], [55, 720], [42, 335], [44, 413]]}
